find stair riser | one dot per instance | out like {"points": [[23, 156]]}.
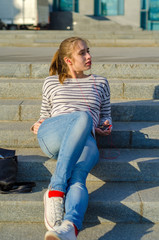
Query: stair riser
{"points": [[92, 36], [119, 138], [15, 90], [63, 34], [130, 139], [109, 70], [15, 34], [33, 212], [30, 111], [36, 231], [115, 41], [135, 113], [127, 90]]}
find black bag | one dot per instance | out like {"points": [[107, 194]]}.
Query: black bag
{"points": [[8, 174]]}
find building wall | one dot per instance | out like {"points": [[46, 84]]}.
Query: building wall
{"points": [[132, 12], [86, 7]]}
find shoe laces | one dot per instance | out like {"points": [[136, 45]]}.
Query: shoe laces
{"points": [[57, 209]]}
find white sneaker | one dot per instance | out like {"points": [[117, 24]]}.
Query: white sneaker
{"points": [[64, 232], [53, 211]]}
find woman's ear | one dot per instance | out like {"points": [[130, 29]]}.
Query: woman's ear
{"points": [[67, 60], [70, 66]]}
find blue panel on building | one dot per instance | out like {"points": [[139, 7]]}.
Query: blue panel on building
{"points": [[66, 5], [150, 14], [144, 4], [69, 5], [121, 7], [154, 10], [109, 7]]}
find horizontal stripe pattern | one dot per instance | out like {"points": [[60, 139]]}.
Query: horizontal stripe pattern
{"points": [[90, 94]]}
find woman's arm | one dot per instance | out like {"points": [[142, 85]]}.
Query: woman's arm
{"points": [[45, 111], [105, 113]]}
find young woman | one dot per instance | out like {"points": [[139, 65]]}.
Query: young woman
{"points": [[74, 107]]}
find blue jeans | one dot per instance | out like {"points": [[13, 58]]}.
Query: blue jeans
{"points": [[68, 139]]}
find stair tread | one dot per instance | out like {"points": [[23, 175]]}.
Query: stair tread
{"points": [[120, 231], [114, 165], [133, 156], [133, 134]]}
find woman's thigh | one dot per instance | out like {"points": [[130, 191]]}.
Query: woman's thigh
{"points": [[52, 131]]}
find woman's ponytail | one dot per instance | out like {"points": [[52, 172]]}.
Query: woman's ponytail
{"points": [[58, 66], [54, 64]]}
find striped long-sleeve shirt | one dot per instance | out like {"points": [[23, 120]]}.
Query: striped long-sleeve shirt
{"points": [[90, 94]]}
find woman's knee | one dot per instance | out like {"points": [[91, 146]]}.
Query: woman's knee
{"points": [[49, 137], [85, 119], [49, 149], [49, 142]]}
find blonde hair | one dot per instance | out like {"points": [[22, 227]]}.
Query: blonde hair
{"points": [[58, 65]]}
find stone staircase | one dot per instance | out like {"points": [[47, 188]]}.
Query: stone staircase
{"points": [[111, 36], [123, 187]]}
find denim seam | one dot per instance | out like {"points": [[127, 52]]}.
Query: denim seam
{"points": [[52, 156]]}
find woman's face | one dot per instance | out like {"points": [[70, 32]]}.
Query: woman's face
{"points": [[81, 58]]}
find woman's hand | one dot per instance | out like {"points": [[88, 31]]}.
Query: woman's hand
{"points": [[104, 132], [36, 126]]}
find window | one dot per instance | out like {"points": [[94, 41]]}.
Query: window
{"points": [[69, 5], [149, 17], [109, 7]]}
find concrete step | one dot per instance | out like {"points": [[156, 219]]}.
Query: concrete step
{"points": [[114, 165], [129, 110], [122, 110], [108, 202], [21, 89], [115, 42], [107, 231], [133, 89], [124, 135], [95, 35], [99, 33], [110, 70], [109, 37], [99, 54], [111, 41], [60, 35], [56, 34]]}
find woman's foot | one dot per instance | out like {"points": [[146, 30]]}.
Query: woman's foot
{"points": [[64, 232], [53, 210]]}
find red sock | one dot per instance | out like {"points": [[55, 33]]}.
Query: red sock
{"points": [[55, 193], [76, 230]]}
